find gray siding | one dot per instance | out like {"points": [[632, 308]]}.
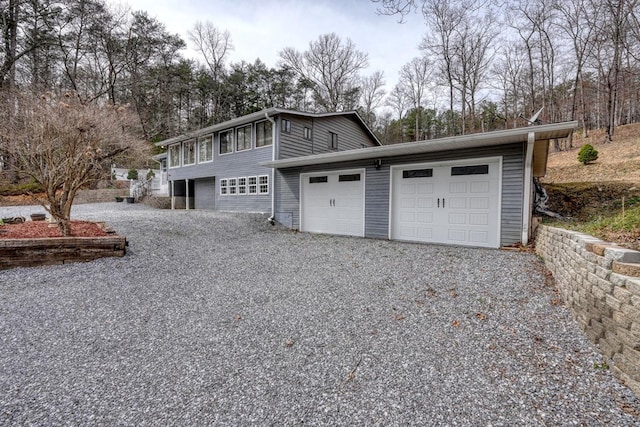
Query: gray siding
{"points": [[377, 188], [350, 136], [243, 164], [204, 193], [233, 165]]}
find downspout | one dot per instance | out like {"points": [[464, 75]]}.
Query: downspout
{"points": [[528, 188], [272, 218]]}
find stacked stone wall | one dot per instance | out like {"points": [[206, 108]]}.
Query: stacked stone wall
{"points": [[599, 282]]}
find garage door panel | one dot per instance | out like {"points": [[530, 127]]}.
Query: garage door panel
{"points": [[478, 219], [457, 187], [479, 187], [479, 237], [457, 218], [457, 235], [457, 203], [425, 218], [478, 203]]}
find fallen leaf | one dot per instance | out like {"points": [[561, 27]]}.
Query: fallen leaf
{"points": [[481, 316], [288, 343], [453, 293], [456, 323], [238, 317]]}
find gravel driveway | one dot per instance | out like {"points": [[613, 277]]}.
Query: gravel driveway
{"points": [[221, 319]]}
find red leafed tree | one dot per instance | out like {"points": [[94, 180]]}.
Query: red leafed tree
{"points": [[63, 144]]}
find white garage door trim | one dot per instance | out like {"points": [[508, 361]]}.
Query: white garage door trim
{"points": [[333, 202], [497, 161]]}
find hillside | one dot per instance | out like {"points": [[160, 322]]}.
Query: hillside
{"points": [[617, 161]]}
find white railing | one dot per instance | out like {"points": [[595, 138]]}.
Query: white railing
{"points": [[139, 188]]}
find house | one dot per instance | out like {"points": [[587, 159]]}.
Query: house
{"points": [[327, 173], [221, 166], [472, 190]]}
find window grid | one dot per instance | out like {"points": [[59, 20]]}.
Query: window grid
{"points": [[253, 184], [242, 185], [223, 187], [263, 184], [233, 186]]}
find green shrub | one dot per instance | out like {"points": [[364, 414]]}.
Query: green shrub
{"points": [[150, 174], [587, 154], [132, 174]]}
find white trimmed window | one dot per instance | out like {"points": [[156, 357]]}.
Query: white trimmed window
{"points": [[264, 134], [242, 185], [233, 186], [243, 138], [307, 133], [205, 149], [263, 184], [226, 142], [286, 126], [252, 182], [189, 153], [174, 156], [224, 187], [333, 141]]}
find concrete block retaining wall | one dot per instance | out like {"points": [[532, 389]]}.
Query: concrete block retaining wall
{"points": [[596, 281]]}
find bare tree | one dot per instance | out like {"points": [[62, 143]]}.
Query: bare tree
{"points": [[63, 144], [371, 95], [214, 46], [332, 67], [398, 101], [415, 76]]}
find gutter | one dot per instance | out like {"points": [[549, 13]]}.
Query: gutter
{"points": [[272, 218], [528, 190]]}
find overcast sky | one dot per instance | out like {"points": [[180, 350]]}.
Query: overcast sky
{"points": [[261, 28]]}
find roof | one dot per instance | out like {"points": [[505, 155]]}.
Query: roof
{"points": [[486, 139], [261, 115]]}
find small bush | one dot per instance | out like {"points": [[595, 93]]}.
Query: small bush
{"points": [[587, 154], [132, 174]]}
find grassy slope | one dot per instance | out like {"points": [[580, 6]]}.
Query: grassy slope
{"points": [[593, 196]]}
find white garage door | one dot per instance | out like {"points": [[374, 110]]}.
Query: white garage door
{"points": [[333, 202], [455, 203]]}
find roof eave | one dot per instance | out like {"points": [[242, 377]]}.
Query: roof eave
{"points": [[487, 139]]}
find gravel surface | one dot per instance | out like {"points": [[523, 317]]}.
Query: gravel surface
{"points": [[221, 319]]}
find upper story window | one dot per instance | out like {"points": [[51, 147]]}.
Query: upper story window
{"points": [[286, 126], [226, 142], [243, 138], [189, 153], [333, 141], [205, 149], [174, 155], [264, 134], [307, 133]]}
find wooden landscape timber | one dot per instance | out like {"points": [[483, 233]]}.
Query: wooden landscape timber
{"points": [[58, 250]]}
